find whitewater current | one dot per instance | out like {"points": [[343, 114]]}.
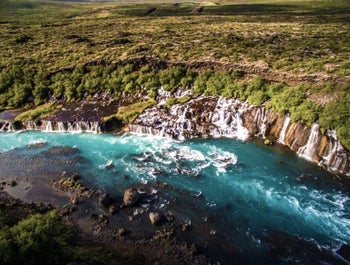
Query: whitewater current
{"points": [[255, 191]]}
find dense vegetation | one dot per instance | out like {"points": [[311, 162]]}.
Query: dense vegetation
{"points": [[44, 238], [38, 239], [70, 51]]}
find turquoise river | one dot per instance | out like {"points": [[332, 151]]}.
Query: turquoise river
{"points": [[260, 196]]}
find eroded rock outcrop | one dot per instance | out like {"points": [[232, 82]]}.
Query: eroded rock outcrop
{"points": [[308, 142]]}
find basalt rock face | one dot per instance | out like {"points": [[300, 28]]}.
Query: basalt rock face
{"points": [[48, 125], [325, 150], [207, 116], [83, 116]]}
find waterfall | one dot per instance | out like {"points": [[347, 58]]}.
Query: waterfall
{"points": [[201, 116], [336, 158], [309, 150], [74, 127], [3, 127], [261, 121], [83, 126], [183, 123], [284, 129], [47, 125], [95, 127], [31, 125], [139, 129], [10, 127], [227, 116], [242, 132], [179, 93], [77, 127], [163, 95], [61, 126]]}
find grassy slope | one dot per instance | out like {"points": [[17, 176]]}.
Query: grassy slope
{"points": [[309, 36], [293, 37]]}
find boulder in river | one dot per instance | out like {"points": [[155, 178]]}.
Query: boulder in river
{"points": [[131, 196]]}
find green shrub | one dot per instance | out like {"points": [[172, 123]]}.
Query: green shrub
{"points": [[127, 114], [288, 99], [173, 101], [308, 112], [257, 98], [38, 239], [39, 112], [336, 115]]}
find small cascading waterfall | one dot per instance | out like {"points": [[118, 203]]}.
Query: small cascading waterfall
{"points": [[4, 126], [309, 150], [48, 126], [77, 127], [163, 95], [83, 126], [179, 93], [12, 127], [242, 132], [227, 116], [32, 125], [335, 157], [139, 129], [283, 132], [61, 126], [206, 116], [261, 121], [70, 127], [94, 127], [183, 123]]}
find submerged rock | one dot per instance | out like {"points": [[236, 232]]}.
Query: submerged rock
{"points": [[104, 199], [131, 197]]}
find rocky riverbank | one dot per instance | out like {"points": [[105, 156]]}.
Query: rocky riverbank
{"points": [[102, 221]]}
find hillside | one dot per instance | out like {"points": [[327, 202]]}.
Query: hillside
{"points": [[293, 56]]}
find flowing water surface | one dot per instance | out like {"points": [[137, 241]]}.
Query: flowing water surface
{"points": [[254, 190]]}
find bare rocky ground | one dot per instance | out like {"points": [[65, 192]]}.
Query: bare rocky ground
{"points": [[125, 231]]}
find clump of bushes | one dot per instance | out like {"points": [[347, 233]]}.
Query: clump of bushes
{"points": [[173, 101], [127, 114], [38, 239], [39, 112]]}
